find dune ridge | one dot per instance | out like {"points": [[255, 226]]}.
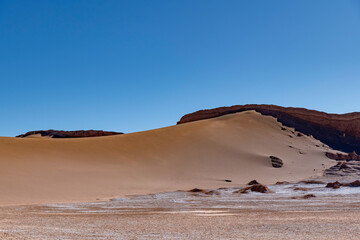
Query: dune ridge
{"points": [[198, 154]]}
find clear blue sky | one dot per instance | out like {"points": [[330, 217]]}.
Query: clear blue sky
{"points": [[137, 65]]}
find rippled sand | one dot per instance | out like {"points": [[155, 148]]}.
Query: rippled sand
{"points": [[332, 214]]}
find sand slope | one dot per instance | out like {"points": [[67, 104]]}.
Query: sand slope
{"points": [[197, 154]]}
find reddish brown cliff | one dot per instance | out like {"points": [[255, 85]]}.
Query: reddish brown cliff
{"points": [[344, 157], [70, 134], [339, 131]]}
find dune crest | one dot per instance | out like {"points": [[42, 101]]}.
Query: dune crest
{"points": [[198, 154]]}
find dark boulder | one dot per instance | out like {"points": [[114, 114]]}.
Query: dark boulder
{"points": [[333, 185], [276, 162]]}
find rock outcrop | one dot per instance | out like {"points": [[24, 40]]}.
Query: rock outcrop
{"points": [[350, 168], [70, 134], [339, 131], [344, 157]]}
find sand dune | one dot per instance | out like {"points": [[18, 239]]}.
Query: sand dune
{"points": [[196, 154]]}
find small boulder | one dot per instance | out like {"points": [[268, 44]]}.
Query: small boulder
{"points": [[260, 188], [281, 182], [355, 184], [333, 185], [276, 162], [197, 190]]}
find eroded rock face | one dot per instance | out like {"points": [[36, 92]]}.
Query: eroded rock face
{"points": [[344, 157], [349, 168], [339, 131], [70, 134]]}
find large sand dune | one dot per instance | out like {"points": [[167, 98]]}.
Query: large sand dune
{"points": [[197, 154]]}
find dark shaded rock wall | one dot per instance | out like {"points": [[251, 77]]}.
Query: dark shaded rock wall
{"points": [[70, 134], [339, 131]]}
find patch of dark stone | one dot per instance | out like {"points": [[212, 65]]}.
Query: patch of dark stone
{"points": [[253, 182], [227, 180], [344, 169], [276, 162], [196, 191], [281, 183], [301, 189], [339, 184], [254, 188], [307, 196], [311, 182]]}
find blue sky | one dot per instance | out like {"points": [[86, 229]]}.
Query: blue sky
{"points": [[137, 65]]}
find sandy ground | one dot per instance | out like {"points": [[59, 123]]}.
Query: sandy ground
{"points": [[332, 214], [197, 154]]}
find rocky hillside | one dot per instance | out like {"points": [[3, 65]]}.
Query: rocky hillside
{"points": [[70, 134], [339, 131]]}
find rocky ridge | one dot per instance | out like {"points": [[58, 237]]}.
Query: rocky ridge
{"points": [[70, 134], [339, 131]]}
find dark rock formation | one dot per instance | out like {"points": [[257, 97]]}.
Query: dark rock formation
{"points": [[343, 157], [307, 196], [311, 182], [355, 184], [196, 190], [253, 182], [276, 162], [339, 131], [281, 182], [338, 184], [255, 188], [333, 185], [300, 189], [349, 168], [70, 134]]}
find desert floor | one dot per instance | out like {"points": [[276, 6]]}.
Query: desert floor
{"points": [[332, 214]]}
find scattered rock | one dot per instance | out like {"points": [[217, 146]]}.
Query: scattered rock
{"points": [[355, 184], [311, 182], [253, 182], [212, 192], [300, 134], [197, 190], [254, 188], [283, 129], [300, 189], [244, 190], [307, 196], [348, 168], [259, 188], [333, 185], [276, 162], [227, 180], [281, 182]]}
